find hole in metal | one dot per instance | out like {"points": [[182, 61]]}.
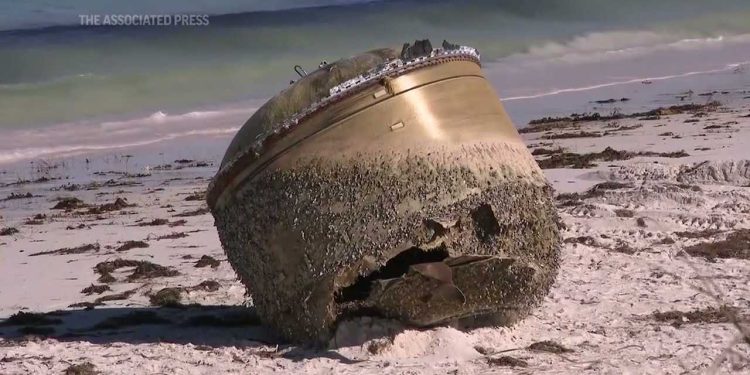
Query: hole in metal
{"points": [[393, 268]]}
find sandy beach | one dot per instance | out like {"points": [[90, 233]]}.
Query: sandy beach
{"points": [[637, 112], [114, 268]]}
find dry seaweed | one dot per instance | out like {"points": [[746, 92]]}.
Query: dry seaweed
{"points": [[95, 289], [68, 204], [699, 234], [737, 245], [132, 245], [548, 123], [14, 196], [711, 314], [206, 261], [581, 134], [167, 297], [118, 204], [154, 222], [624, 248], [85, 368], [37, 219], [507, 361], [70, 250], [143, 270], [666, 241], [197, 196], [621, 212], [178, 223], [583, 161], [79, 226], [208, 286], [9, 231], [584, 240], [549, 347], [197, 212], [172, 236], [110, 297]]}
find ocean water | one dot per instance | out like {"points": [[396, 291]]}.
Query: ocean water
{"points": [[68, 88]]}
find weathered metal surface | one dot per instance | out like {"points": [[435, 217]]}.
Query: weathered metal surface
{"points": [[410, 197]]}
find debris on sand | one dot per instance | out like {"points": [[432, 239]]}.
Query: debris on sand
{"points": [[621, 212], [37, 219], [143, 270], [132, 245], [583, 240], [378, 346], [79, 226], [116, 297], [9, 231], [167, 297], [197, 212], [197, 196], [178, 223], [598, 190], [118, 204], [507, 361], [95, 289], [154, 223], [707, 233], [676, 318], [172, 236], [148, 270], [641, 222], [737, 245], [622, 129], [584, 161], [666, 241], [581, 134], [69, 203], [550, 123], [208, 286], [23, 318], [109, 297], [549, 347], [134, 318], [547, 151], [624, 248], [610, 185], [92, 247], [85, 368], [206, 261], [14, 196]]}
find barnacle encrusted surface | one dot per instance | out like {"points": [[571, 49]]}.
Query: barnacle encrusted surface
{"points": [[426, 236]]}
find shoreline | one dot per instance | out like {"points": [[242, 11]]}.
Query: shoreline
{"points": [[562, 87]]}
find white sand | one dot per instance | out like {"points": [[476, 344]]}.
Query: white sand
{"points": [[600, 307]]}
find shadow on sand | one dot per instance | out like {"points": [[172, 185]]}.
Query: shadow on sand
{"points": [[206, 327]]}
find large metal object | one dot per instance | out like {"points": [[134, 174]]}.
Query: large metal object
{"points": [[387, 184]]}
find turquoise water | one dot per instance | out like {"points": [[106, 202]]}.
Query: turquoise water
{"points": [[53, 74]]}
